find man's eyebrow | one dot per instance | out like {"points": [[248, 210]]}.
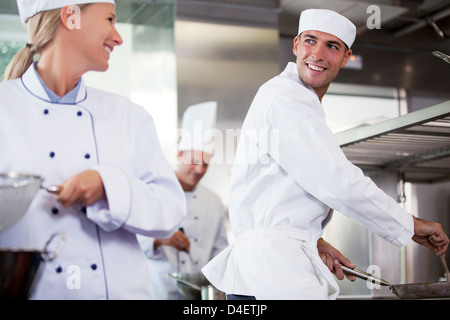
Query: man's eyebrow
{"points": [[310, 36], [337, 43]]}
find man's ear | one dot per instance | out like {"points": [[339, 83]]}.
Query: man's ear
{"points": [[347, 56], [71, 17], [295, 47]]}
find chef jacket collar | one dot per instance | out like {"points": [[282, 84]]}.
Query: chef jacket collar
{"points": [[292, 70], [32, 82], [69, 98]]}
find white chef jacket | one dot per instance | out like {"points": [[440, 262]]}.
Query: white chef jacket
{"points": [[288, 172], [101, 258], [205, 228]]}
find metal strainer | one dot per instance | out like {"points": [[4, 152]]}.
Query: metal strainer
{"points": [[17, 190]]}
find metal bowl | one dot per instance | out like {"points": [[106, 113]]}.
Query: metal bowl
{"points": [[17, 190], [19, 269], [187, 291]]}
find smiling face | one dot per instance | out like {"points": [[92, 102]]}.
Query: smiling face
{"points": [[320, 55], [97, 36], [192, 166]]}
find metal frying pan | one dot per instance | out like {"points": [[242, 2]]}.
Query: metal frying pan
{"points": [[409, 290], [195, 286]]}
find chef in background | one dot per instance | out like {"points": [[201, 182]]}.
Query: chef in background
{"points": [[202, 234], [100, 148], [285, 183]]}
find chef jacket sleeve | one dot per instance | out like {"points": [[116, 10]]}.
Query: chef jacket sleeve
{"points": [[147, 245], [308, 151], [150, 201]]}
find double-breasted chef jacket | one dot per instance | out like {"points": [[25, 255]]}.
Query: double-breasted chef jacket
{"points": [[101, 258], [289, 173], [204, 225]]}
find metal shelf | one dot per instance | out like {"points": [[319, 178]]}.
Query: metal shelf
{"points": [[416, 145]]}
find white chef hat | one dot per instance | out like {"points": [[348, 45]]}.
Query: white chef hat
{"points": [[328, 21], [198, 126], [28, 8]]}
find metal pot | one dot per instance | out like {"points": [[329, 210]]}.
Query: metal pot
{"points": [[195, 286], [19, 269]]}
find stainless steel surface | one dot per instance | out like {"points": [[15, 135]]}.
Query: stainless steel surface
{"points": [[416, 145], [444, 264], [426, 290], [196, 287], [442, 56], [179, 278], [19, 269], [365, 276], [52, 189], [211, 293]]}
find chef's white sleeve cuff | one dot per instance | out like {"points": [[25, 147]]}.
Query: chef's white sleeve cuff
{"points": [[405, 236], [148, 244], [111, 214]]}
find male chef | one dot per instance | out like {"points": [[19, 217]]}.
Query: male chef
{"points": [[202, 233], [283, 192]]}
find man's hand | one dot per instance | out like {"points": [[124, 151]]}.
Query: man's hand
{"points": [[178, 240], [431, 235], [83, 189], [333, 259]]}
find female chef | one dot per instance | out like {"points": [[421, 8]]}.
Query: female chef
{"points": [[100, 148]]}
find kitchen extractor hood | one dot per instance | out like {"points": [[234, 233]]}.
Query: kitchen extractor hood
{"points": [[416, 145]]}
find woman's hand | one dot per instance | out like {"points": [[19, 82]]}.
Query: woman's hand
{"points": [[83, 189], [333, 258]]}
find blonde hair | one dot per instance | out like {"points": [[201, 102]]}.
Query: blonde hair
{"points": [[41, 29]]}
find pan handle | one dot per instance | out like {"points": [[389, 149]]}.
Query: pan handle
{"points": [[365, 276], [187, 283], [47, 255], [442, 56], [53, 189], [444, 264]]}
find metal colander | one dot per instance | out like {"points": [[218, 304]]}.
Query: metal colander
{"points": [[16, 193]]}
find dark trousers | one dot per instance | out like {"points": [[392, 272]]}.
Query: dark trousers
{"points": [[239, 297]]}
